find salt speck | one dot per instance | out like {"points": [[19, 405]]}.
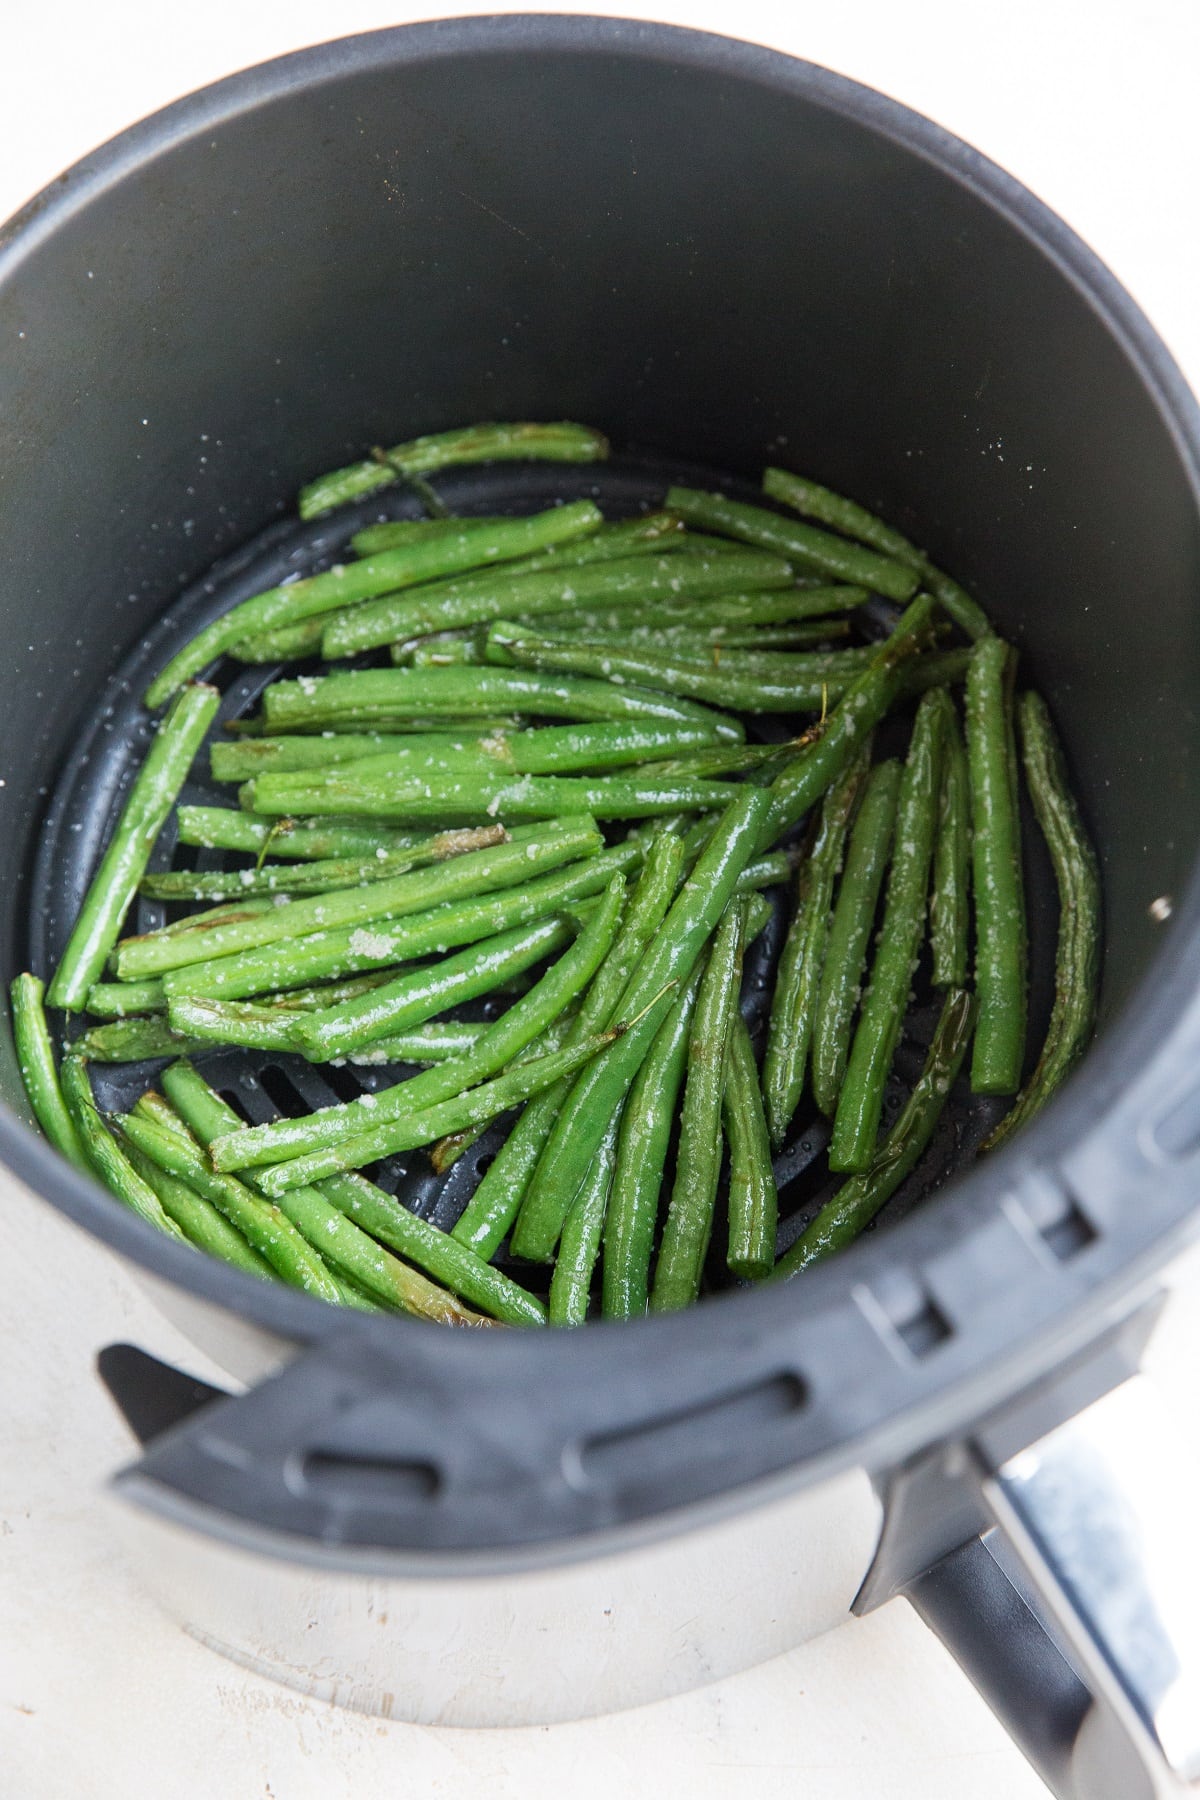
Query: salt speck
{"points": [[369, 943], [367, 1100]]}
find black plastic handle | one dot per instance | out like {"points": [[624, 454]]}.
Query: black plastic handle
{"points": [[986, 1615]]}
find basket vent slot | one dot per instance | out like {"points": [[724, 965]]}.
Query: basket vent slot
{"points": [[701, 1433]]}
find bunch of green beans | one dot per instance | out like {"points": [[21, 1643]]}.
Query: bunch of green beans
{"points": [[547, 807]]}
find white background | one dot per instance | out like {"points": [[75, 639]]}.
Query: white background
{"points": [[1093, 106]]}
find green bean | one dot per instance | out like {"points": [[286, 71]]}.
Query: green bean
{"points": [[319, 877], [524, 1021], [124, 999], [391, 533], [357, 1255], [850, 932], [688, 1225], [416, 995], [158, 1113], [1000, 950], [1077, 874], [436, 796], [444, 605], [950, 896], [810, 550], [104, 1154], [221, 828], [134, 1040], [369, 696], [497, 1199], [723, 759], [546, 750], [570, 1284], [480, 871], [655, 532], [860, 710], [739, 612], [35, 1059], [857, 1201], [192, 930], [820, 503], [284, 643], [861, 1100], [798, 976], [197, 1218], [458, 1113], [245, 758], [646, 1127], [438, 929], [268, 1025], [712, 643], [666, 962], [842, 515], [753, 1201], [262, 1223], [154, 792], [956, 603], [447, 1260], [790, 684], [355, 582], [523, 442]]}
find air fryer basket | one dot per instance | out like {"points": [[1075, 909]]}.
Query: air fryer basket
{"points": [[723, 258]]}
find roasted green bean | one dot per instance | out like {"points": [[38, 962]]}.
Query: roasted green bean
{"points": [[666, 962], [950, 895], [1077, 874], [646, 1127], [104, 1155], [688, 1225], [524, 442], [818, 552], [849, 933], [998, 1055], [345, 585], [143, 816], [873, 1048], [513, 593], [497, 1200], [753, 1200], [478, 872], [859, 1199]]}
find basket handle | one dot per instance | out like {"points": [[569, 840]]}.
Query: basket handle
{"points": [[1078, 1616]]}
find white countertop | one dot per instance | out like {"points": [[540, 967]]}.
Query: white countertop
{"points": [[1093, 107]]}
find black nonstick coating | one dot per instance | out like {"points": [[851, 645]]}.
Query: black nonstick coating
{"points": [[261, 1085]]}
